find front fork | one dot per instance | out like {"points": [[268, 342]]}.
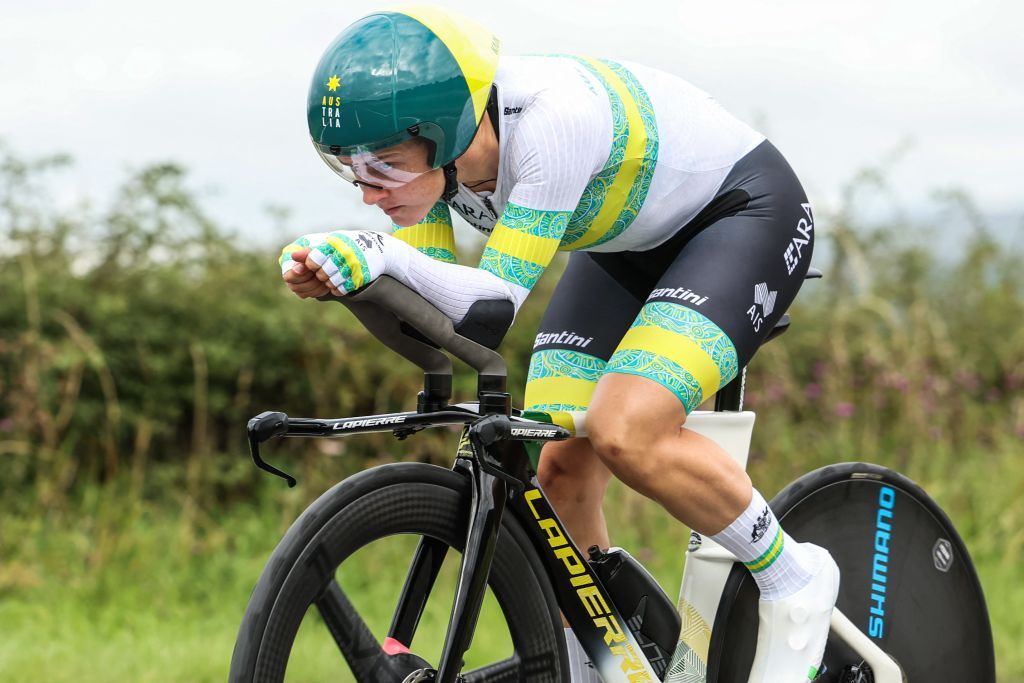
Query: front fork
{"points": [[487, 505], [488, 494]]}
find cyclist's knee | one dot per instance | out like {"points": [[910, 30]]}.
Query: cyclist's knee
{"points": [[622, 448], [571, 468]]}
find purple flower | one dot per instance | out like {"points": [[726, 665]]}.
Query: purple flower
{"points": [[812, 391], [6, 424], [844, 409]]}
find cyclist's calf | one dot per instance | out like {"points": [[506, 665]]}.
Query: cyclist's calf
{"points": [[574, 480], [635, 425]]}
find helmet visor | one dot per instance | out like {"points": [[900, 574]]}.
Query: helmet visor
{"points": [[369, 168], [390, 167]]}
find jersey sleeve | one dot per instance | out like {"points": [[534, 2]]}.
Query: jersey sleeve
{"points": [[433, 236], [554, 151]]}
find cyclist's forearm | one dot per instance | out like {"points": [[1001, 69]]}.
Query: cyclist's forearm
{"points": [[450, 287], [352, 259]]}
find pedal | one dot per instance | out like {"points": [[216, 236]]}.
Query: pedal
{"points": [[421, 676], [860, 673]]}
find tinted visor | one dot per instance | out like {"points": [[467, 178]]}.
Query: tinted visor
{"points": [[390, 163], [368, 168]]}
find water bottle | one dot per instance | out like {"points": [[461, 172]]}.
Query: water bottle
{"points": [[650, 615]]}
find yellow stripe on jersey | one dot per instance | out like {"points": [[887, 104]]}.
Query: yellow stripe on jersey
{"points": [[629, 169], [523, 245], [433, 236], [430, 238]]}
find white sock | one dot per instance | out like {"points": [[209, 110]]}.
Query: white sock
{"points": [[780, 566], [580, 668]]}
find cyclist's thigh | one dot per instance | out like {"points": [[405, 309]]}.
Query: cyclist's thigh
{"points": [[589, 312], [738, 268]]}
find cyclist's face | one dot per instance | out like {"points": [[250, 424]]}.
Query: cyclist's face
{"points": [[405, 203]]}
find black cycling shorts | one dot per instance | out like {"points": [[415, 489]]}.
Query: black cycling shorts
{"points": [[687, 314]]}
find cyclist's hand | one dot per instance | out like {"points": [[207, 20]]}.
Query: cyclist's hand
{"points": [[339, 262], [301, 280]]}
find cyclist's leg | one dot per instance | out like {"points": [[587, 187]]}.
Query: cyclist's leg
{"points": [[734, 274], [723, 282], [571, 350], [570, 353], [635, 426]]}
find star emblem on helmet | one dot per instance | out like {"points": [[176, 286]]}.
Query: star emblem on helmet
{"points": [[333, 83]]}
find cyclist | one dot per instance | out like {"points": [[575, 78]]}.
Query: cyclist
{"points": [[690, 236]]}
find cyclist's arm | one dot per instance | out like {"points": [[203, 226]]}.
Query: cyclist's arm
{"points": [[553, 151], [352, 259], [432, 236]]}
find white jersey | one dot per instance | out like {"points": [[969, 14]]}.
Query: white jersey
{"points": [[593, 155], [569, 126]]}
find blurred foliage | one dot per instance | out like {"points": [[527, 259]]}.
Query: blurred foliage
{"points": [[136, 339], [141, 333]]}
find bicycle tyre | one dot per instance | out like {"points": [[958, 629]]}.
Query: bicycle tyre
{"points": [[935, 621], [401, 498]]}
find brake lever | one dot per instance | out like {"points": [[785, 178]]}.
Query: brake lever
{"points": [[264, 427]]}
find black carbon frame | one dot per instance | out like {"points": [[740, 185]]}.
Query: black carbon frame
{"points": [[493, 457]]}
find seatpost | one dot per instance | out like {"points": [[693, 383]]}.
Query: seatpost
{"points": [[730, 397]]}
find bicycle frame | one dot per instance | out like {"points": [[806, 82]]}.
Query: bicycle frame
{"points": [[493, 457]]}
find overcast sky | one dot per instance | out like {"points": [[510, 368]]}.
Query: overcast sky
{"points": [[221, 86]]}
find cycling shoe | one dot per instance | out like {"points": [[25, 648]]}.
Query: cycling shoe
{"points": [[792, 632]]}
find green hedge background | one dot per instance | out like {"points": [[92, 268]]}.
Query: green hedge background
{"points": [[136, 339]]}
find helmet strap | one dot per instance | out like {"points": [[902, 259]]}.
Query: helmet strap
{"points": [[451, 182], [492, 111]]}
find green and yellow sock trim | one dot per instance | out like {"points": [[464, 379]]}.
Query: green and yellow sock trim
{"points": [[769, 556]]}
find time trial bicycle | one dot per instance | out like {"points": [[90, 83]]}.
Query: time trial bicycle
{"points": [[910, 606]]}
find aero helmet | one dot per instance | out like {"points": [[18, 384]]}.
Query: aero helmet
{"points": [[394, 75]]}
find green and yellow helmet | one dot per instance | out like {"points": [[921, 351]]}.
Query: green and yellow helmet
{"points": [[394, 75]]}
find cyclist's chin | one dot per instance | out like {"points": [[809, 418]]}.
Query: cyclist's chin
{"points": [[408, 214]]}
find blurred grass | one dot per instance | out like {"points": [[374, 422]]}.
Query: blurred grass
{"points": [[137, 338], [165, 605]]}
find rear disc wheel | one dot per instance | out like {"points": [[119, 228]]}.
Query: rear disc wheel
{"points": [[906, 579]]}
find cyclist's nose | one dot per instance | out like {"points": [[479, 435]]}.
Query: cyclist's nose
{"points": [[372, 195]]}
